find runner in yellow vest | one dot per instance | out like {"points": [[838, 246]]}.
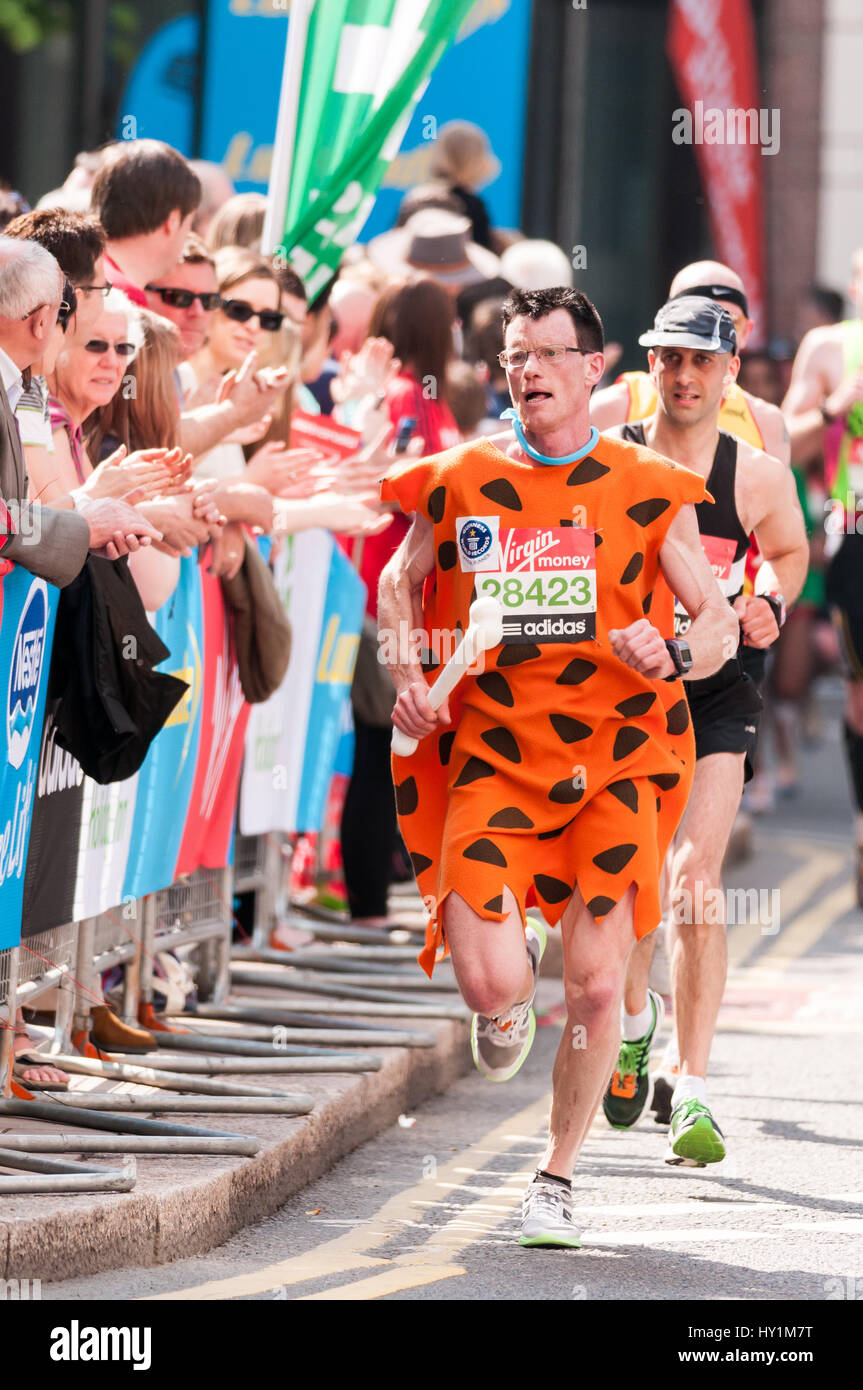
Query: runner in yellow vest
{"points": [[824, 407], [633, 395]]}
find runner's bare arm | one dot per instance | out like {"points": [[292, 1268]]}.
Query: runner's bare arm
{"points": [[781, 533], [714, 633], [400, 612], [774, 430], [609, 406], [810, 384]]}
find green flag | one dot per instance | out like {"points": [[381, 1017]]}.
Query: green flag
{"points": [[354, 71]]}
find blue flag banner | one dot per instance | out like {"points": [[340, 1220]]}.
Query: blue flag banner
{"points": [[29, 608], [167, 773], [344, 606]]}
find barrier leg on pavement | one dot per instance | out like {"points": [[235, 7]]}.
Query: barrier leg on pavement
{"points": [[162, 1079], [338, 1037], [63, 1175], [118, 1107], [130, 1144]]}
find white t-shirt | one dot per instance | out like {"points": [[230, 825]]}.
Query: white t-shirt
{"points": [[223, 461], [33, 415]]}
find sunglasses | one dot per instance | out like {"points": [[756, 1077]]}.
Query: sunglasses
{"points": [[241, 311], [184, 299], [98, 346]]}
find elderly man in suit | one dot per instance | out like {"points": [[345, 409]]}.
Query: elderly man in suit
{"points": [[51, 542]]}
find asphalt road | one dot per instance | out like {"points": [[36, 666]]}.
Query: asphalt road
{"points": [[429, 1210]]}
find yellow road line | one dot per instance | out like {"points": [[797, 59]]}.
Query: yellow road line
{"points": [[808, 929], [379, 1285], [795, 891], [348, 1252]]}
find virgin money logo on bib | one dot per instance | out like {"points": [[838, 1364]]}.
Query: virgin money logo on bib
{"points": [[478, 542], [25, 673], [545, 583]]}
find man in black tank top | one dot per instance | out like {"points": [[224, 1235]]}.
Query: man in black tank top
{"points": [[693, 357]]}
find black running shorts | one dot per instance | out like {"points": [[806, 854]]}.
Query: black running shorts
{"points": [[726, 720], [844, 596]]}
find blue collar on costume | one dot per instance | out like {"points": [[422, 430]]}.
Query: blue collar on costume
{"points": [[545, 458]]}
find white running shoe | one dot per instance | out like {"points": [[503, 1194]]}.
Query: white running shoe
{"points": [[546, 1216], [500, 1045]]}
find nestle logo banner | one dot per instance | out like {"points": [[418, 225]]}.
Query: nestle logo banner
{"points": [[28, 655]]}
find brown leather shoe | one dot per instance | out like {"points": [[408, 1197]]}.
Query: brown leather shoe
{"points": [[112, 1035]]}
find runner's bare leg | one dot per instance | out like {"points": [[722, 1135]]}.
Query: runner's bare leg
{"points": [[489, 959], [699, 957], [595, 959]]}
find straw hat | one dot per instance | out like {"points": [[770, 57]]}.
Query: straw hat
{"points": [[436, 243]]}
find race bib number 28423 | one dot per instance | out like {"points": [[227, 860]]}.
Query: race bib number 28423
{"points": [[546, 583]]}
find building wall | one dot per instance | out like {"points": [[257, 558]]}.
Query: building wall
{"points": [[840, 220], [793, 38]]}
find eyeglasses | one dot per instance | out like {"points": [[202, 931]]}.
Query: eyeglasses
{"points": [[549, 352], [91, 289], [98, 346], [241, 311], [184, 299], [62, 308]]}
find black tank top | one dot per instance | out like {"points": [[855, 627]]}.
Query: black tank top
{"points": [[725, 544]]}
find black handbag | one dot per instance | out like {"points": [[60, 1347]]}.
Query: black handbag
{"points": [[112, 703]]}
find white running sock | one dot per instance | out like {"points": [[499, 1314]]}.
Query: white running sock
{"points": [[669, 1062], [689, 1088], [635, 1026]]}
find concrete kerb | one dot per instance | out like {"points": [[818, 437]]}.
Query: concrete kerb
{"points": [[186, 1206]]}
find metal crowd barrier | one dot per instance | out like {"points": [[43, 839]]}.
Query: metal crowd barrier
{"points": [[260, 868], [195, 909]]}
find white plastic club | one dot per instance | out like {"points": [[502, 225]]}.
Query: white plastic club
{"points": [[484, 631]]}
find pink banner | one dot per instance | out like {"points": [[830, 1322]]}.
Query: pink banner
{"points": [[224, 716]]}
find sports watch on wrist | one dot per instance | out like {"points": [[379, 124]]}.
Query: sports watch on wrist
{"points": [[681, 655], [777, 603]]}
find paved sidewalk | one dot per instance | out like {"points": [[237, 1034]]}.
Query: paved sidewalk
{"points": [[186, 1204]]}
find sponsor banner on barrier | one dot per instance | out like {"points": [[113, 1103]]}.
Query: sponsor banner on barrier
{"points": [[107, 814], [209, 831], [52, 860], [29, 608], [168, 772], [276, 740], [344, 607]]}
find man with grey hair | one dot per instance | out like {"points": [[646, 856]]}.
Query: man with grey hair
{"points": [[50, 542]]}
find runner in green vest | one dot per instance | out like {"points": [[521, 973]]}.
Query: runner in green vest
{"points": [[824, 410]]}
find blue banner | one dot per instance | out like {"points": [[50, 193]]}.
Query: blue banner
{"points": [[29, 608], [344, 607], [167, 773], [238, 118]]}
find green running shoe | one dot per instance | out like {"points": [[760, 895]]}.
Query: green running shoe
{"points": [[629, 1089], [694, 1139]]}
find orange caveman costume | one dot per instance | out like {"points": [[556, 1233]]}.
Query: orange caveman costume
{"points": [[562, 765]]}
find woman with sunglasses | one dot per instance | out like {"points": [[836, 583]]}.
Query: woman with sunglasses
{"points": [[86, 374], [250, 318]]}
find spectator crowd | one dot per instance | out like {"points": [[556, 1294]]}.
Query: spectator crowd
{"points": [[155, 361]]}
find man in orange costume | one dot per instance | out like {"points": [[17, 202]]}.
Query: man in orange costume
{"points": [[560, 772]]}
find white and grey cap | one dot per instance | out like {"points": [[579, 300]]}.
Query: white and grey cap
{"points": [[692, 321]]}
